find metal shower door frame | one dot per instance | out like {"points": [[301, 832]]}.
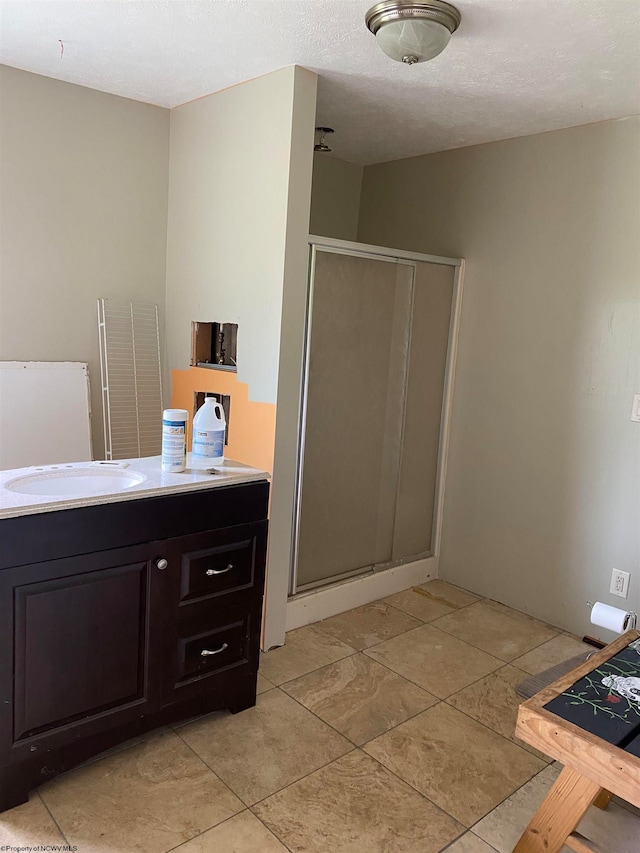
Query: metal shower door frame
{"points": [[380, 253]]}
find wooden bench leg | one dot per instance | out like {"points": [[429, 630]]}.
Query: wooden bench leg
{"points": [[559, 814], [603, 799]]}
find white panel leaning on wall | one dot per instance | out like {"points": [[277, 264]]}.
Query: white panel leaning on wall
{"points": [[45, 413]]}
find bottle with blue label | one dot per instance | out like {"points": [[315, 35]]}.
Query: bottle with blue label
{"points": [[208, 432], [174, 440]]}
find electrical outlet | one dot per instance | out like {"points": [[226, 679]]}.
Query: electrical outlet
{"points": [[619, 583]]}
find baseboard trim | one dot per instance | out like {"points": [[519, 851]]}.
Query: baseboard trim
{"points": [[306, 608]]}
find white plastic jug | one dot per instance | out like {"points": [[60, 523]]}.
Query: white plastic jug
{"points": [[208, 431]]}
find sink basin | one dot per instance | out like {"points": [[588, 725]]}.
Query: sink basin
{"points": [[75, 482]]}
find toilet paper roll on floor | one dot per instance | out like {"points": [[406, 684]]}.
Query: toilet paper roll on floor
{"points": [[612, 618]]}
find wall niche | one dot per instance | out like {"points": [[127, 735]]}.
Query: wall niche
{"points": [[214, 345]]}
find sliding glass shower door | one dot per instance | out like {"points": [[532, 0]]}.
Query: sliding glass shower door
{"points": [[361, 504]]}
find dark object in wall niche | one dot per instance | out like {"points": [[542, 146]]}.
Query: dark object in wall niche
{"points": [[120, 618], [214, 345], [606, 702]]}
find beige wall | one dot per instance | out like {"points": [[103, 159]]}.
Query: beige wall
{"points": [[294, 302], [335, 198], [239, 195], [543, 482], [228, 199], [83, 186]]}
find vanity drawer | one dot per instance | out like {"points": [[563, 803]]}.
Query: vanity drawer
{"points": [[214, 649], [226, 563]]}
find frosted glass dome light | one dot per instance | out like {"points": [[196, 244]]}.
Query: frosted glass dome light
{"points": [[412, 32], [420, 40]]}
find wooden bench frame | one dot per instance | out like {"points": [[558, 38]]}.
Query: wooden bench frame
{"points": [[594, 770]]}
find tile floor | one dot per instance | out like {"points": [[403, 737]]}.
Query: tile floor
{"points": [[388, 729]]}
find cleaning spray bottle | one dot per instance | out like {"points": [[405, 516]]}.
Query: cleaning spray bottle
{"points": [[208, 432]]}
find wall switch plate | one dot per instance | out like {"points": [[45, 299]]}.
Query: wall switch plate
{"points": [[619, 583], [635, 411]]}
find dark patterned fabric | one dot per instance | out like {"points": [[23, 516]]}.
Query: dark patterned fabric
{"points": [[606, 702], [634, 746]]}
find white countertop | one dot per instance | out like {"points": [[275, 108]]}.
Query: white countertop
{"points": [[154, 484]]}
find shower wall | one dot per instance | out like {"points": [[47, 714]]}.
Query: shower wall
{"points": [[335, 198]]}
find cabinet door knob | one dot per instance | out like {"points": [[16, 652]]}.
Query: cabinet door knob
{"points": [[211, 572], [207, 652], [162, 564]]}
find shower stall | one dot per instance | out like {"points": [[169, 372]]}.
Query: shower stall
{"points": [[379, 354]]}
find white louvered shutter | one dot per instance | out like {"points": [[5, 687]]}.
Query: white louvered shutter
{"points": [[131, 378]]}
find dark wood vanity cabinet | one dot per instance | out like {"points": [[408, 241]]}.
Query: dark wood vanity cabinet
{"points": [[119, 618]]}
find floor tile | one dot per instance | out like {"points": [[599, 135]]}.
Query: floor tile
{"points": [[134, 741], [460, 765], [431, 600], [493, 701], [470, 843], [359, 697], [433, 660], [415, 602], [503, 827], [306, 649], [263, 685], [264, 748], [614, 829], [365, 626], [355, 805], [633, 809], [454, 596], [243, 833], [370, 675], [29, 825], [150, 797], [551, 653], [497, 629]]}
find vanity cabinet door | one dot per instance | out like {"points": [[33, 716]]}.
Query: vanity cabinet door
{"points": [[81, 641]]}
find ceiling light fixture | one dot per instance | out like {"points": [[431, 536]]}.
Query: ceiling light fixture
{"points": [[321, 145], [412, 32]]}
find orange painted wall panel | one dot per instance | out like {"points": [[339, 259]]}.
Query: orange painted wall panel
{"points": [[252, 426]]}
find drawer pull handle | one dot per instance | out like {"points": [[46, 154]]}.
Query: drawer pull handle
{"points": [[211, 572], [161, 563], [205, 653]]}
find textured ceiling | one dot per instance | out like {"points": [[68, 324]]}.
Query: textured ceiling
{"points": [[514, 67]]}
